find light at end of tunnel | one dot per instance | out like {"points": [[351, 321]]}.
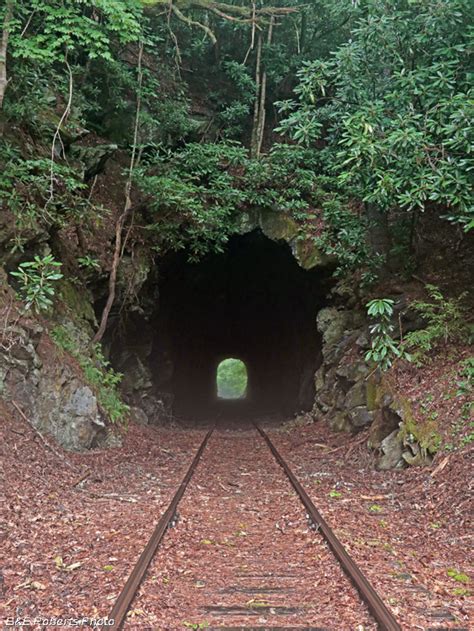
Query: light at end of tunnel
{"points": [[231, 379]]}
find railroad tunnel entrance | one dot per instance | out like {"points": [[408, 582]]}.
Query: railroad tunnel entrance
{"points": [[252, 302]]}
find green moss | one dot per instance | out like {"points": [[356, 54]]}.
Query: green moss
{"points": [[458, 576], [76, 299], [97, 372], [373, 395], [308, 254], [379, 393], [404, 407], [426, 433], [278, 226]]}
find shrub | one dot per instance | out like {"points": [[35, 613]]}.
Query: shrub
{"points": [[446, 320], [37, 279], [384, 349]]}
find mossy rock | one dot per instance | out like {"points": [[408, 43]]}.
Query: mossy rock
{"points": [[371, 394], [308, 254], [278, 226], [356, 396], [94, 158], [332, 323], [416, 456], [319, 379], [394, 407], [392, 452], [248, 221], [379, 394], [78, 301], [134, 272], [361, 417], [71, 129], [340, 422], [424, 434]]}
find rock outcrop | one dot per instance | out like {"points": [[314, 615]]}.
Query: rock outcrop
{"points": [[279, 226], [352, 396], [49, 391], [44, 383]]}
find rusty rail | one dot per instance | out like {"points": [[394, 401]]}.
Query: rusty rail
{"points": [[384, 618], [126, 596]]}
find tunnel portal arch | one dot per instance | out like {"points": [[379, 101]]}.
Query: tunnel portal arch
{"points": [[252, 302]]}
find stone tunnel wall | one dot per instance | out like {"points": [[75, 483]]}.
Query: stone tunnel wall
{"points": [[302, 341], [254, 302], [353, 396], [332, 376]]}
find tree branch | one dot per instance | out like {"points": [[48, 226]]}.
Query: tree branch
{"points": [[4, 49], [232, 18], [256, 110], [190, 22], [263, 95], [227, 9], [57, 133], [117, 257]]}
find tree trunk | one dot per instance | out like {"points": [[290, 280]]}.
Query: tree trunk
{"points": [[4, 49], [114, 271], [379, 234], [119, 226], [258, 129], [256, 110], [303, 29], [263, 97]]}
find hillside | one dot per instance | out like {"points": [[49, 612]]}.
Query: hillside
{"points": [[226, 215]]}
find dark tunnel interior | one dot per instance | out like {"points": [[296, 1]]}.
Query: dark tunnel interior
{"points": [[252, 302]]}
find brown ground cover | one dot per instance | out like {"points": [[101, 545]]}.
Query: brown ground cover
{"points": [[66, 547], [409, 530], [242, 551]]}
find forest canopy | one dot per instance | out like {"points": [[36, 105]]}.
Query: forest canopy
{"points": [[355, 117]]}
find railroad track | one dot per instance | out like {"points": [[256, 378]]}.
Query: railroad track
{"points": [[380, 613]]}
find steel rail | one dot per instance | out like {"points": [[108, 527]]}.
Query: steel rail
{"points": [[126, 596], [384, 618]]}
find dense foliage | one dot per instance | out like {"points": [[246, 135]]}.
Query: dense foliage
{"points": [[394, 108], [36, 280], [384, 349], [351, 117], [446, 322]]}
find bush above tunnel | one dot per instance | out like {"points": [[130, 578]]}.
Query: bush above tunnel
{"points": [[200, 195]]}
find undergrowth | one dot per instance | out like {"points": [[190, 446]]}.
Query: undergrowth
{"points": [[98, 373], [446, 321], [463, 431]]}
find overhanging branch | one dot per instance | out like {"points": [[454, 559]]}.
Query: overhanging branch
{"points": [[226, 11], [191, 22], [257, 17]]}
